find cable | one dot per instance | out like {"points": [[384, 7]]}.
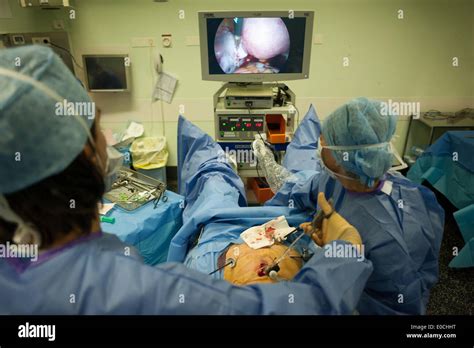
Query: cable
{"points": [[275, 265], [67, 51], [230, 262], [297, 116], [265, 269], [466, 112], [434, 115], [261, 137], [258, 172], [162, 117], [152, 68], [256, 167], [451, 117]]}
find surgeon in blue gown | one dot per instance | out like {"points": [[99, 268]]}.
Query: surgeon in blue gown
{"points": [[54, 170], [400, 222]]}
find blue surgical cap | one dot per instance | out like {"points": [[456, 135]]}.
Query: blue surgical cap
{"points": [[36, 142], [360, 122]]}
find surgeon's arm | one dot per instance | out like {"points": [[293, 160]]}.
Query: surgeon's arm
{"points": [[330, 283], [333, 227], [325, 285]]}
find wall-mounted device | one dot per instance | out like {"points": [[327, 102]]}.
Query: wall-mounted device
{"points": [[46, 4], [255, 46], [57, 40], [41, 40], [166, 40], [107, 72], [18, 40]]}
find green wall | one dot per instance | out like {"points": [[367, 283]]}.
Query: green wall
{"points": [[408, 59], [26, 20]]}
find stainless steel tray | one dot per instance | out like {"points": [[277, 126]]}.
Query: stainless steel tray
{"points": [[131, 190]]}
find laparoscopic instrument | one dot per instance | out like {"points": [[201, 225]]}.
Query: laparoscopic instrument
{"points": [[316, 224], [131, 190], [273, 269], [229, 262]]}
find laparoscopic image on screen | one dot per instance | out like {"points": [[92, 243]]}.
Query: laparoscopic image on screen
{"points": [[255, 45]]}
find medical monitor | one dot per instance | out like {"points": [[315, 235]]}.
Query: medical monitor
{"points": [[106, 73], [255, 46]]}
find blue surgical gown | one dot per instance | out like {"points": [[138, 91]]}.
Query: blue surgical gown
{"points": [[101, 275], [401, 225], [97, 275]]}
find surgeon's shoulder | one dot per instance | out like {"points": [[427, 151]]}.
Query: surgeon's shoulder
{"points": [[111, 244], [400, 179], [406, 183], [303, 176]]}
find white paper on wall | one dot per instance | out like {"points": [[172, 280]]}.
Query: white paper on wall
{"points": [[165, 87]]}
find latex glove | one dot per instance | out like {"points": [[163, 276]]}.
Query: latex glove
{"points": [[261, 150], [335, 227]]}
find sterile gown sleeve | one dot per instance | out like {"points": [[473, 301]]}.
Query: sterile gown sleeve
{"points": [[300, 190], [96, 277], [323, 286]]}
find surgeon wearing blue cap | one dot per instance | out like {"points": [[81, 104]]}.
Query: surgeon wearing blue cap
{"points": [[349, 158], [54, 170]]}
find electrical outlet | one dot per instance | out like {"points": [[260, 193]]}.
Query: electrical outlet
{"points": [[143, 42], [43, 40]]}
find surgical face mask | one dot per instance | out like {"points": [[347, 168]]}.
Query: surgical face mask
{"points": [[113, 164], [331, 173], [334, 175]]}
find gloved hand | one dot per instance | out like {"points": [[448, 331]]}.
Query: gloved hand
{"points": [[274, 173], [334, 226], [260, 150]]}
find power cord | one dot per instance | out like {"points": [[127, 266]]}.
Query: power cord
{"points": [[66, 50], [297, 115], [451, 116]]}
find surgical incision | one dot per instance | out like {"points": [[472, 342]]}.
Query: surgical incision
{"points": [[252, 45]]}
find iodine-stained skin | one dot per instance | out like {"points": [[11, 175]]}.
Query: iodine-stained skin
{"points": [[250, 264], [265, 38]]}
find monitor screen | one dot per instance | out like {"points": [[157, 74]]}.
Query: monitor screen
{"points": [[245, 45], [106, 73]]}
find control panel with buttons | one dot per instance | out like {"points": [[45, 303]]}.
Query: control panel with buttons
{"points": [[240, 127]]}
